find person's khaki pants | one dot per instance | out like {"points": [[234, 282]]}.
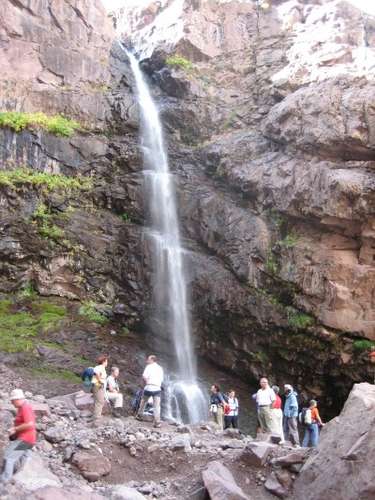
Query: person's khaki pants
{"points": [[218, 417], [265, 418], [99, 399], [116, 398]]}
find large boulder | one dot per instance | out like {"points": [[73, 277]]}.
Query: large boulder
{"points": [[220, 483], [92, 466], [53, 493], [34, 474], [122, 492], [343, 468]]}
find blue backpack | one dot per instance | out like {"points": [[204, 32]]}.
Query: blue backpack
{"points": [[136, 402], [86, 376]]}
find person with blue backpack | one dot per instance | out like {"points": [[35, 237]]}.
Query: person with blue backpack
{"points": [[291, 415], [311, 421]]}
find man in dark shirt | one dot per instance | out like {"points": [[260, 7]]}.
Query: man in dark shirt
{"points": [[22, 435], [217, 406]]}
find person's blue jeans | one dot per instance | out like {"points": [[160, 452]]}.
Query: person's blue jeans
{"points": [[311, 436]]}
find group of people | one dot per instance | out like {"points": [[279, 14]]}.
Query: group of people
{"points": [[274, 416], [282, 419], [224, 408], [106, 388]]}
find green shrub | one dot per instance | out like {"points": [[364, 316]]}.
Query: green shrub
{"points": [[271, 263], [28, 291], [57, 124], [46, 227], [23, 176], [125, 217], [89, 311], [298, 320], [289, 241], [363, 345], [181, 62]]}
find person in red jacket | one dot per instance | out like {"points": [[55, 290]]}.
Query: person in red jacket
{"points": [[22, 435], [277, 415]]}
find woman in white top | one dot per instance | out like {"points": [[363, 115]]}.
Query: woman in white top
{"points": [[231, 411]]}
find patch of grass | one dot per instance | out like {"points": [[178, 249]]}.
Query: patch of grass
{"points": [[46, 227], [298, 320], [89, 311], [277, 218], [19, 329], [271, 264], [28, 291], [363, 345], [23, 176], [53, 374], [177, 61], [57, 124], [289, 241]]}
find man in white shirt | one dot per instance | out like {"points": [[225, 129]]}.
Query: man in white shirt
{"points": [[153, 377], [112, 391], [265, 398]]}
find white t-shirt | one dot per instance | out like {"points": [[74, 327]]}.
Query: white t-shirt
{"points": [[111, 383], [153, 376], [265, 396]]}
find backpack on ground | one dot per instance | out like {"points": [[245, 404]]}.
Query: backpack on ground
{"points": [[87, 376], [136, 401], [305, 416]]}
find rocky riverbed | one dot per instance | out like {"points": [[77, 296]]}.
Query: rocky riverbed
{"points": [[124, 459]]}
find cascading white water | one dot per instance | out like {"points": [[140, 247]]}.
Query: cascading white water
{"points": [[186, 399]]}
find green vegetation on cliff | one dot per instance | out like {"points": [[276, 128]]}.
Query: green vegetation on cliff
{"points": [[180, 62], [18, 328], [23, 176], [298, 320], [89, 311], [363, 345], [57, 124]]}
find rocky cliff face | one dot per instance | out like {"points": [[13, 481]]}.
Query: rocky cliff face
{"points": [[269, 116], [272, 140]]}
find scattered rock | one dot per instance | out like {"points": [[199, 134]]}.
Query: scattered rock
{"points": [[273, 486], [52, 493], [56, 434], [220, 483], [256, 453], [34, 474], [296, 457], [121, 492], [92, 466]]}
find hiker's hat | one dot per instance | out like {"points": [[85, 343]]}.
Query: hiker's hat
{"points": [[17, 394]]}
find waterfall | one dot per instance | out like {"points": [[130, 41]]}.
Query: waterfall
{"points": [[186, 400]]}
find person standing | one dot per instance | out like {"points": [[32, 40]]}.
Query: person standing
{"points": [[99, 380], [231, 411], [22, 435], [217, 403], [265, 398], [312, 429], [112, 391], [277, 415], [153, 377], [291, 415]]}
